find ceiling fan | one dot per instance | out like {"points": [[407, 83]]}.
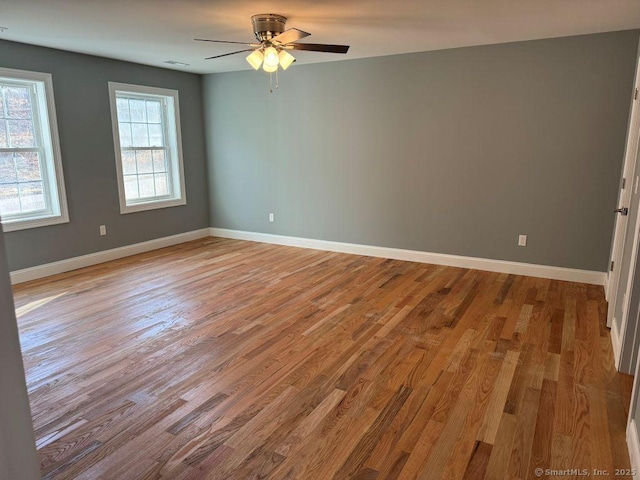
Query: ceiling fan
{"points": [[274, 41]]}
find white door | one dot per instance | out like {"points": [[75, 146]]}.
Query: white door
{"points": [[619, 271], [627, 295]]}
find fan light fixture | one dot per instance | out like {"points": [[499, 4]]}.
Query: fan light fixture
{"points": [[255, 59], [270, 58], [286, 59], [273, 44]]}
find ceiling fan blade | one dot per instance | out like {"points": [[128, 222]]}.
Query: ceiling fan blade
{"points": [[317, 47], [232, 53], [225, 41], [289, 36]]}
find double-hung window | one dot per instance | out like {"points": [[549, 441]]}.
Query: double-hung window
{"points": [[31, 183], [146, 131]]}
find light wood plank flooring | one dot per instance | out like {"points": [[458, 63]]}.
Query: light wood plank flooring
{"points": [[234, 360]]}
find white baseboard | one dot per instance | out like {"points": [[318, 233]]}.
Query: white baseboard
{"points": [[48, 269], [615, 343], [633, 444], [502, 266]]}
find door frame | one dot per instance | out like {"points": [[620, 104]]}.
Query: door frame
{"points": [[633, 441]]}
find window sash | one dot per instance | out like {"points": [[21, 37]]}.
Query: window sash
{"points": [[164, 147], [44, 159], [167, 171]]}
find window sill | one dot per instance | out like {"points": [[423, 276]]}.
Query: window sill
{"points": [[14, 225], [144, 206]]}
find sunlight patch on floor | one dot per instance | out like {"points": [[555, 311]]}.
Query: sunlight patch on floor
{"points": [[31, 306]]}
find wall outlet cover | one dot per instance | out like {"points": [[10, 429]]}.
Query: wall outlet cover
{"points": [[522, 240]]}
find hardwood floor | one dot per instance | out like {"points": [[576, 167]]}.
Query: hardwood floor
{"points": [[230, 360]]}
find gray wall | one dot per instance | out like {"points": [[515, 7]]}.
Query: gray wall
{"points": [[84, 121], [18, 458], [455, 151]]}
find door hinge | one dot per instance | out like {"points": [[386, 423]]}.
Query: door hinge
{"points": [[624, 182], [635, 94], [612, 262]]}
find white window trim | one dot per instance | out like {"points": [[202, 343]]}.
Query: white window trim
{"points": [[151, 204], [47, 107]]}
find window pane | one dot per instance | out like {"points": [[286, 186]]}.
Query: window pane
{"points": [[139, 134], [129, 162], [18, 102], [138, 110], [154, 110], [21, 134], [145, 164], [9, 202], [159, 164], [155, 135], [1, 103], [124, 129], [31, 196], [131, 187], [161, 184], [122, 105], [7, 169], [147, 186], [28, 166], [4, 141]]}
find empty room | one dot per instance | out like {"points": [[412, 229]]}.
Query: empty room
{"points": [[319, 240]]}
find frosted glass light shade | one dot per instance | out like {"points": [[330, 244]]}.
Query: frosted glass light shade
{"points": [[286, 59], [255, 59], [268, 68], [271, 58]]}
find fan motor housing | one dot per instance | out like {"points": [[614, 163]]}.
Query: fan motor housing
{"points": [[268, 25]]}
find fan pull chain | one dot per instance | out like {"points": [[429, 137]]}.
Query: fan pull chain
{"points": [[271, 81]]}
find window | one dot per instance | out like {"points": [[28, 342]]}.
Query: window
{"points": [[31, 183], [146, 132]]}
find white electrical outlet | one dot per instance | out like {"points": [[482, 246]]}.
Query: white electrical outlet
{"points": [[103, 230], [272, 217], [522, 240]]}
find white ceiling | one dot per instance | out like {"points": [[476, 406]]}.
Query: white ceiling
{"points": [[154, 31]]}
